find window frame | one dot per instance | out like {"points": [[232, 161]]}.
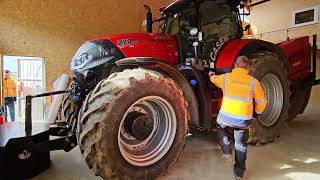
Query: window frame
{"points": [[316, 17]]}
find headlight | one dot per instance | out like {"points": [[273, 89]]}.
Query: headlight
{"points": [[94, 53], [93, 62], [81, 61]]}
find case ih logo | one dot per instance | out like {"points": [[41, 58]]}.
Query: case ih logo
{"points": [[217, 46], [162, 38]]}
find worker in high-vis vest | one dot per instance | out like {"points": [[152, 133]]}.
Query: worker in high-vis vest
{"points": [[9, 92], [240, 91]]}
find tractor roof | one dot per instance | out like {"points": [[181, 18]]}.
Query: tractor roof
{"points": [[179, 5]]}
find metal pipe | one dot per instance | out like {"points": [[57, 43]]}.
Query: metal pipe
{"points": [[28, 114], [148, 18], [314, 56], [49, 94], [28, 109], [285, 29]]}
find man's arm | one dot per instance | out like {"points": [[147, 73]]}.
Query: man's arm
{"points": [[260, 100], [217, 80]]}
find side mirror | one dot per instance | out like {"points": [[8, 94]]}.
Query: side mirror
{"points": [[149, 18], [247, 27]]}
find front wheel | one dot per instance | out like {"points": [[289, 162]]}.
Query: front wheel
{"points": [[133, 125]]}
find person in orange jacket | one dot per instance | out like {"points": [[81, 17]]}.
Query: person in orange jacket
{"points": [[236, 113], [9, 95]]}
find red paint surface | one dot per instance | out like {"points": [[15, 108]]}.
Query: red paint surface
{"points": [[229, 52], [298, 51], [1, 120], [163, 47], [157, 45]]}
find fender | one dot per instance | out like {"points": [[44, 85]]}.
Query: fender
{"points": [[299, 56], [236, 47], [168, 71]]}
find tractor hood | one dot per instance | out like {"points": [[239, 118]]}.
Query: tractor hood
{"points": [[95, 58], [156, 45]]}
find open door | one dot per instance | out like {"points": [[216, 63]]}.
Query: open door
{"points": [[28, 76], [30, 81]]}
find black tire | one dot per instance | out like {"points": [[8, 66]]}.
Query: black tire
{"points": [[268, 69], [103, 111], [298, 102], [66, 111]]}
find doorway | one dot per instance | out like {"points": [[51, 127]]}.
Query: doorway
{"points": [[28, 75]]}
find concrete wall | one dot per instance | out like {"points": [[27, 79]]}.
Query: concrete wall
{"points": [[54, 29], [276, 15]]}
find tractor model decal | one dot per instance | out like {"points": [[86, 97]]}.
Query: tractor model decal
{"points": [[124, 42]]}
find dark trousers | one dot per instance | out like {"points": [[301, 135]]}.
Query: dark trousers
{"points": [[240, 142], [9, 106]]}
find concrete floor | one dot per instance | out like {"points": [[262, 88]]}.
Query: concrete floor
{"points": [[296, 155]]}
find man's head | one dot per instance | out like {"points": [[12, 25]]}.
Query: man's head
{"points": [[7, 74], [243, 62]]}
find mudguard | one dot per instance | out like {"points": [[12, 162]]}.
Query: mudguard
{"points": [[168, 71], [298, 51], [236, 47]]}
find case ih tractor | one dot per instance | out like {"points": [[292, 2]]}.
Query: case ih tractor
{"points": [[134, 97]]}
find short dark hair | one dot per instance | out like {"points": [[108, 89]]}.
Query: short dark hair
{"points": [[7, 71], [243, 62]]}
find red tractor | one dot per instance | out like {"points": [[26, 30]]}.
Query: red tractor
{"points": [[135, 97]]}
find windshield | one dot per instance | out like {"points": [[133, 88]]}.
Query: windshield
{"points": [[215, 18], [176, 22], [219, 19]]}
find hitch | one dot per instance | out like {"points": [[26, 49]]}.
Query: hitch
{"points": [[27, 146]]}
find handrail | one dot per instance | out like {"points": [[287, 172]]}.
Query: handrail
{"points": [[28, 108], [279, 30]]}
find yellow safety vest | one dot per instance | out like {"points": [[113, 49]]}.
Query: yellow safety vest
{"points": [[9, 88], [239, 91]]}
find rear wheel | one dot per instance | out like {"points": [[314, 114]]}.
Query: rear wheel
{"points": [[133, 125], [271, 73]]}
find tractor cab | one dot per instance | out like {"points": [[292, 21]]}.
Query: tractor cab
{"points": [[213, 18], [214, 22]]}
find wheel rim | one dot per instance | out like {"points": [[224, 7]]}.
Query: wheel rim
{"points": [[273, 90], [147, 131]]}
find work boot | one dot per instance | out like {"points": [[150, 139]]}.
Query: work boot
{"points": [[227, 157], [237, 177]]}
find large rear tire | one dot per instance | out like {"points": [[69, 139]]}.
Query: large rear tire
{"points": [[271, 72], [133, 125]]}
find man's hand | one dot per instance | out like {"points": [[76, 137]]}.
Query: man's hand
{"points": [[211, 73]]}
